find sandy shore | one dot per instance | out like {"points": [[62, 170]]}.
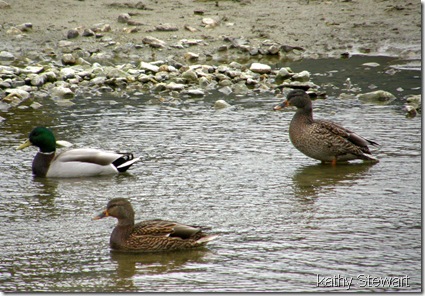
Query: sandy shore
{"points": [[322, 28]]}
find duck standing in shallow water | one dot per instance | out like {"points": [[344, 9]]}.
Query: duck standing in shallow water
{"points": [[83, 162], [150, 235], [323, 140]]}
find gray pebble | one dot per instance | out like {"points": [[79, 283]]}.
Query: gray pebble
{"points": [[73, 33], [6, 56]]}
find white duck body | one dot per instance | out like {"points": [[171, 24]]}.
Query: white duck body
{"points": [[82, 162]]}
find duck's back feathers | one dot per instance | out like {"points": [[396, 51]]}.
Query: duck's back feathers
{"points": [[88, 162], [165, 228], [332, 141], [121, 161], [352, 137], [158, 235], [87, 155]]}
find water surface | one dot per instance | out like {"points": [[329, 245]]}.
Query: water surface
{"points": [[283, 219]]}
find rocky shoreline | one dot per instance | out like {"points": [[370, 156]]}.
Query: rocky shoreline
{"points": [[99, 59]]}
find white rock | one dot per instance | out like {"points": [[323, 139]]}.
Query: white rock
{"points": [[379, 96], [166, 27], [172, 69], [190, 75], [9, 70], [191, 56], [195, 92], [145, 78], [154, 42], [23, 94], [65, 43], [221, 104], [6, 56], [33, 69], [64, 103], [175, 86], [371, 64], [227, 90], [149, 67], [274, 49], [240, 88], [68, 59], [36, 105], [235, 65], [62, 92], [99, 80], [260, 68], [12, 100], [67, 73], [303, 76], [284, 73], [209, 22], [37, 80], [204, 82]]}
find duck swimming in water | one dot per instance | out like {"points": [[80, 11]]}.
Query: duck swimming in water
{"points": [[150, 235], [82, 162]]}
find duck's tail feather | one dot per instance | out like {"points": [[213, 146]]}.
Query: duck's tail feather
{"points": [[206, 239], [373, 143], [125, 162], [369, 157]]}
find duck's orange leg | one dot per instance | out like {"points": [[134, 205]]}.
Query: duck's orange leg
{"points": [[334, 161]]}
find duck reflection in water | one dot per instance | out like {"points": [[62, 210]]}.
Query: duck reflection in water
{"points": [[311, 180], [130, 264], [46, 189]]}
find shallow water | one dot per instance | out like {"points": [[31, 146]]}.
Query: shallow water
{"points": [[285, 221]]}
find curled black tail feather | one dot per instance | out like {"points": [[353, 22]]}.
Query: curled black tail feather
{"points": [[373, 143], [119, 163]]}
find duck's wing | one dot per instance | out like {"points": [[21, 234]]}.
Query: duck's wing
{"points": [[165, 228], [121, 161], [337, 130], [159, 235], [94, 156], [89, 162]]}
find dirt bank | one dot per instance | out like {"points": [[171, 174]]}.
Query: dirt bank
{"points": [[322, 28]]}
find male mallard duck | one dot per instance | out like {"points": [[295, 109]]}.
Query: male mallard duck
{"points": [[151, 235], [82, 162], [323, 140]]}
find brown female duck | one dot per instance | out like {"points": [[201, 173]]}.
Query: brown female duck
{"points": [[323, 140], [151, 235]]}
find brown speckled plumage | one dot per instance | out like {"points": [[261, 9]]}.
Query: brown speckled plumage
{"points": [[151, 235], [323, 140]]}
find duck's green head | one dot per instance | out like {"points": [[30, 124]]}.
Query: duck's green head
{"points": [[41, 137]]}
